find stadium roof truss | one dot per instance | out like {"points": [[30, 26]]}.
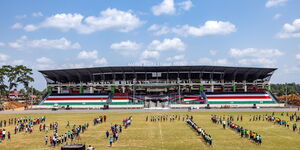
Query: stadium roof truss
{"points": [[130, 73]]}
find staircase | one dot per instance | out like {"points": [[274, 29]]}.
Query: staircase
{"points": [[202, 94], [45, 96], [273, 96], [110, 97]]}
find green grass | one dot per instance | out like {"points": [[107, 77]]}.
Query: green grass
{"points": [[159, 135]]}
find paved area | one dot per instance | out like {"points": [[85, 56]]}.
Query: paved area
{"points": [[152, 110]]}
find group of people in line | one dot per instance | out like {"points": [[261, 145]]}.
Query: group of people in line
{"points": [[14, 121], [293, 117], [206, 137], [27, 124], [57, 139], [116, 130], [282, 122], [99, 120], [21, 124], [127, 122], [253, 136], [163, 118], [3, 135]]}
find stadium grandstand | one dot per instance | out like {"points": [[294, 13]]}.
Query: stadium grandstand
{"points": [[159, 86]]}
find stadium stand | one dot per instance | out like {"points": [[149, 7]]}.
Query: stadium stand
{"points": [[239, 98], [120, 99], [75, 99], [159, 86]]}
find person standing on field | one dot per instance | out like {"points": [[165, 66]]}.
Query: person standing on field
{"points": [[110, 141], [107, 134], [46, 140]]}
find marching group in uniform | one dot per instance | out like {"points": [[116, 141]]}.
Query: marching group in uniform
{"points": [[206, 137], [253, 136]]}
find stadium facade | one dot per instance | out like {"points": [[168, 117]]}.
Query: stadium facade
{"points": [[159, 86]]}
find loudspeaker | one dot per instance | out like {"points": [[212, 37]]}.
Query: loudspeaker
{"points": [[73, 147]]}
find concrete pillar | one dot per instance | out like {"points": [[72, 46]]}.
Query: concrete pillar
{"points": [[123, 89], [59, 90], [91, 89], [245, 86], [212, 85]]}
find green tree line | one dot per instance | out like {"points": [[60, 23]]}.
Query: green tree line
{"points": [[282, 89]]}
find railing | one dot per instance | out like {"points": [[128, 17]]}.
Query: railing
{"points": [[273, 96]]}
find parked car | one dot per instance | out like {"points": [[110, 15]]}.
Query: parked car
{"points": [[55, 107]]}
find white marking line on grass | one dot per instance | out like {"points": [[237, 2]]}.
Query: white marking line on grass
{"points": [[161, 139]]}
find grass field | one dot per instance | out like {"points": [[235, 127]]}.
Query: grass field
{"points": [[175, 135]]}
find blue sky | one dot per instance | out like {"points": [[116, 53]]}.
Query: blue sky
{"points": [[72, 34]]}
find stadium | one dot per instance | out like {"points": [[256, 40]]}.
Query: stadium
{"points": [[160, 87]]}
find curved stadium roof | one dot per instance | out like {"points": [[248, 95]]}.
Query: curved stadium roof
{"points": [[228, 73]]}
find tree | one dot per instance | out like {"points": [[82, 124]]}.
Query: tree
{"points": [[14, 76], [11, 75], [24, 76], [3, 87]]}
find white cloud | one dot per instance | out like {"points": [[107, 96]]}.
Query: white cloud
{"points": [[142, 62], [18, 62], [277, 16], [17, 26], [62, 43], [256, 57], [290, 30], [101, 61], [91, 55], [209, 28], [30, 28], [21, 16], [274, 3], [222, 62], [2, 44], [63, 22], [147, 54], [166, 7], [267, 62], [253, 52], [209, 61], [3, 57], [123, 21], [175, 63], [213, 52], [298, 56], [44, 66], [44, 60], [186, 5], [167, 44], [70, 65], [155, 47], [159, 29], [37, 14], [125, 47], [88, 54], [175, 58]]}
